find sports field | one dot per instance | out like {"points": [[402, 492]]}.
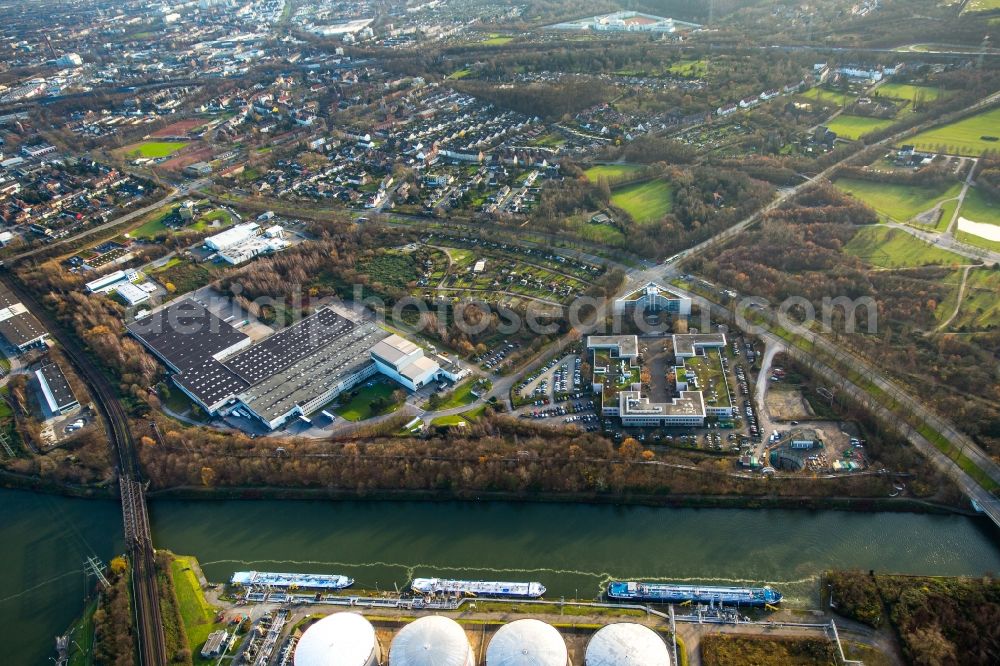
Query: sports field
{"points": [[611, 171], [894, 248], [909, 92], [898, 202], [155, 149], [969, 136], [644, 202], [855, 127]]}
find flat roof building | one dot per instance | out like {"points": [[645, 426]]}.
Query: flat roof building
{"points": [[132, 294], [56, 389], [616, 377], [687, 345], [293, 372], [18, 326]]}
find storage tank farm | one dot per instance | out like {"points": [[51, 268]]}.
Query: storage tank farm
{"points": [[341, 639], [433, 640], [627, 644], [527, 643]]}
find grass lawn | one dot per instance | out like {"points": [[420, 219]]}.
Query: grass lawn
{"points": [[645, 202], [198, 615], [599, 233], [356, 403], [154, 149], [153, 225], [204, 223], [83, 636], [964, 137], [981, 6], [461, 395], [947, 212], [611, 171], [690, 68], [855, 127], [551, 140], [458, 419], [832, 97], [899, 202], [460, 73], [981, 306], [894, 248], [496, 40], [184, 275], [979, 208], [977, 241], [909, 92]]}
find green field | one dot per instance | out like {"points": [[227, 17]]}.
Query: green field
{"points": [[832, 97], [981, 305], [496, 40], [981, 6], [909, 92], [964, 137], [855, 127], [611, 171], [358, 405], [154, 149], [599, 233], [894, 248], [460, 73], [644, 202], [898, 202], [979, 208], [690, 68], [459, 419], [198, 615], [461, 396]]}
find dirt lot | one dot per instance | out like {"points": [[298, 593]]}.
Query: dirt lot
{"points": [[187, 156], [180, 128], [787, 404]]}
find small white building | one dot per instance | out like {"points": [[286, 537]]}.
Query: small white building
{"points": [[132, 294]]}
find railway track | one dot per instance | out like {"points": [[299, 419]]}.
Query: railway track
{"points": [[152, 647]]}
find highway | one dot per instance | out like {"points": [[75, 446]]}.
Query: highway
{"points": [[145, 592]]}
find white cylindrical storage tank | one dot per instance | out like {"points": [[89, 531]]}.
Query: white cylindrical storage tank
{"points": [[431, 641], [627, 644], [527, 643], [341, 639]]}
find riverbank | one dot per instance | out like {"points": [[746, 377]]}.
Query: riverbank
{"points": [[806, 503], [573, 549], [13, 481]]}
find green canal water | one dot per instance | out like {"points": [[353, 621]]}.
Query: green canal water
{"points": [[572, 549]]}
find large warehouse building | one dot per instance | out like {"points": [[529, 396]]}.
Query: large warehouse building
{"points": [[290, 373], [18, 326]]}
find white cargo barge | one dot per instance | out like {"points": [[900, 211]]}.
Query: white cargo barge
{"points": [[291, 580], [478, 588]]}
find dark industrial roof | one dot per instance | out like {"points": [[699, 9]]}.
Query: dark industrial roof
{"points": [[19, 327], [185, 335], [282, 349], [58, 385]]}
